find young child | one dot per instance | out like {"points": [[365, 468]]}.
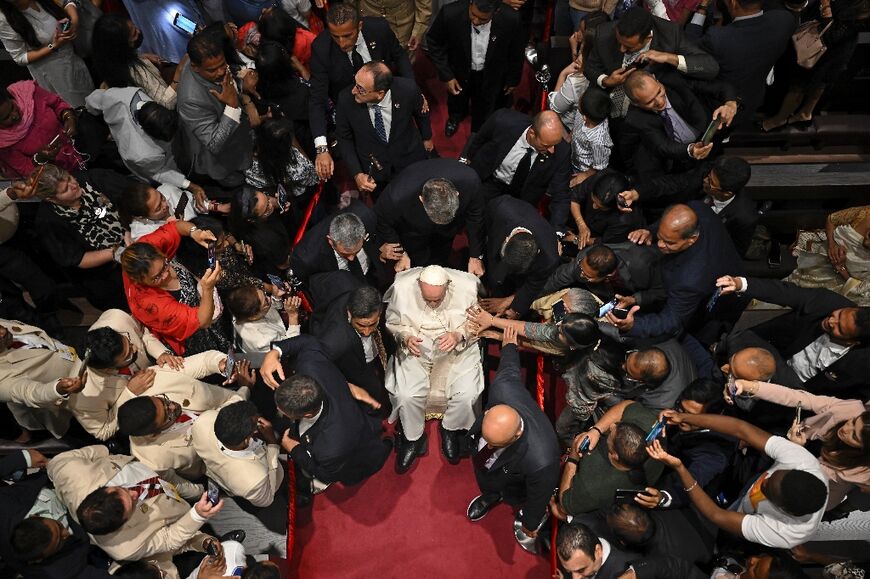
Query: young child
{"points": [[257, 320], [590, 138]]}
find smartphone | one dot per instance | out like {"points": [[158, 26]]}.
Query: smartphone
{"points": [[602, 311], [621, 202], [620, 313], [231, 363], [213, 492], [713, 299], [211, 549], [276, 281], [626, 496], [584, 446], [212, 254], [797, 413], [711, 131], [559, 311], [732, 386], [184, 24], [63, 25], [283, 198], [85, 360], [655, 431], [181, 206]]}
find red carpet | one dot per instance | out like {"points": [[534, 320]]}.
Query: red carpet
{"points": [[410, 525]]}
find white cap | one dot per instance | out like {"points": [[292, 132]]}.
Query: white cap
{"points": [[434, 275]]}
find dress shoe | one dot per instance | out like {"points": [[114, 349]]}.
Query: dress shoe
{"points": [[407, 451], [451, 443], [238, 536], [451, 127], [481, 505]]}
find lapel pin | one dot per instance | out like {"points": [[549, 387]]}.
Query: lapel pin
{"points": [[373, 45], [185, 403]]}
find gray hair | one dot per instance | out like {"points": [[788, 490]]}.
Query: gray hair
{"points": [[347, 230], [581, 302], [48, 181], [440, 200]]}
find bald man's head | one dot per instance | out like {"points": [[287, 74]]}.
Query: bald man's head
{"points": [[501, 426], [545, 132], [678, 229], [752, 364], [645, 92]]}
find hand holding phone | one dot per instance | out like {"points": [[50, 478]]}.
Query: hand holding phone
{"points": [[602, 311], [212, 254], [213, 492], [711, 131], [85, 360], [231, 363], [655, 431]]}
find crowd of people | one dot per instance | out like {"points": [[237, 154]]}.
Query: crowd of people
{"points": [[284, 265]]}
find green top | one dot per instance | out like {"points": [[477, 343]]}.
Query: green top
{"points": [[596, 480]]}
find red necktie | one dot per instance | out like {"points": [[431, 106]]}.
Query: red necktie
{"points": [[182, 418], [149, 487], [125, 371]]}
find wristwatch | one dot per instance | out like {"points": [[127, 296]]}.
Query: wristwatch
{"points": [[572, 460], [321, 149], [50, 46]]}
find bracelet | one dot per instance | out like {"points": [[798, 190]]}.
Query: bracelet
{"points": [[572, 460], [192, 229], [63, 115], [596, 429], [691, 487]]}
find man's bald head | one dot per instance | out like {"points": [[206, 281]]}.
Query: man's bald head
{"points": [[645, 91], [545, 132], [678, 229], [501, 425], [753, 364]]}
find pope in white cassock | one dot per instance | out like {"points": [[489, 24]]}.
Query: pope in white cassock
{"points": [[437, 365]]}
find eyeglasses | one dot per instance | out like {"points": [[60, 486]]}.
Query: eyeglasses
{"points": [[627, 378], [360, 90], [162, 271]]}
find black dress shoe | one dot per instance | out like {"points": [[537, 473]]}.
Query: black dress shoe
{"points": [[238, 536], [407, 451], [481, 505], [451, 441], [451, 127]]}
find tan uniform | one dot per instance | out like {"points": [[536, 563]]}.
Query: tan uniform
{"points": [[406, 18]]}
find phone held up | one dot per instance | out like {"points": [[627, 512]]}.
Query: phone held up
{"points": [[212, 254]]}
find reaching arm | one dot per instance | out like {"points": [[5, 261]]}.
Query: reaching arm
{"points": [[748, 433]]}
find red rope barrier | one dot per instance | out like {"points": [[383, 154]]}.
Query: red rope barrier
{"points": [[539, 381], [308, 211], [291, 508]]}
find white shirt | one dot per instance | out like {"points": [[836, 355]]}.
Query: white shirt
{"points": [[817, 356], [718, 206], [187, 425], [253, 446], [257, 336], [386, 106], [369, 349], [362, 48], [305, 423], [770, 526], [505, 171], [361, 257], [135, 472], [479, 43]]}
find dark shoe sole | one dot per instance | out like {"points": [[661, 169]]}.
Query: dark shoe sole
{"points": [[486, 512]]}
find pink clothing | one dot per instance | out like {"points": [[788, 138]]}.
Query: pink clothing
{"points": [[829, 412], [16, 160]]}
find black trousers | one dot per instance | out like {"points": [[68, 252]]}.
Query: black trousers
{"points": [[484, 100]]}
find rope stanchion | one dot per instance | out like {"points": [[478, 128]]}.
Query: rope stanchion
{"points": [[545, 37], [308, 211]]}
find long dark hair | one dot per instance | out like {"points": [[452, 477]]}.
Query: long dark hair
{"points": [[274, 69], [274, 141], [839, 454], [112, 54], [279, 26], [21, 25]]}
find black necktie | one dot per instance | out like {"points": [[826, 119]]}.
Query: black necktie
{"points": [[481, 456], [356, 59], [669, 124], [354, 267], [522, 172]]}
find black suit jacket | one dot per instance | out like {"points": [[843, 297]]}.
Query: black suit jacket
{"points": [[357, 138], [746, 50], [690, 278], [402, 218], [343, 445], [503, 215], [534, 457], [314, 255], [636, 267], [693, 100], [15, 502], [616, 564], [343, 346], [449, 42], [740, 216], [549, 173], [331, 70], [794, 331], [605, 56]]}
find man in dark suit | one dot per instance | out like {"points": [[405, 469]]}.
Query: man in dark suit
{"points": [[352, 338], [625, 269], [37, 545], [677, 533], [513, 447], [668, 118], [423, 210], [524, 158], [746, 48], [719, 183], [477, 50], [582, 553], [522, 251], [638, 38], [344, 242], [381, 126], [331, 437], [336, 55], [696, 250], [825, 338]]}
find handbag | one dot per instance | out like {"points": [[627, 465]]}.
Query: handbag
{"points": [[808, 43]]}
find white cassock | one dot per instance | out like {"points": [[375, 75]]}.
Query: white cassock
{"points": [[449, 381]]}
